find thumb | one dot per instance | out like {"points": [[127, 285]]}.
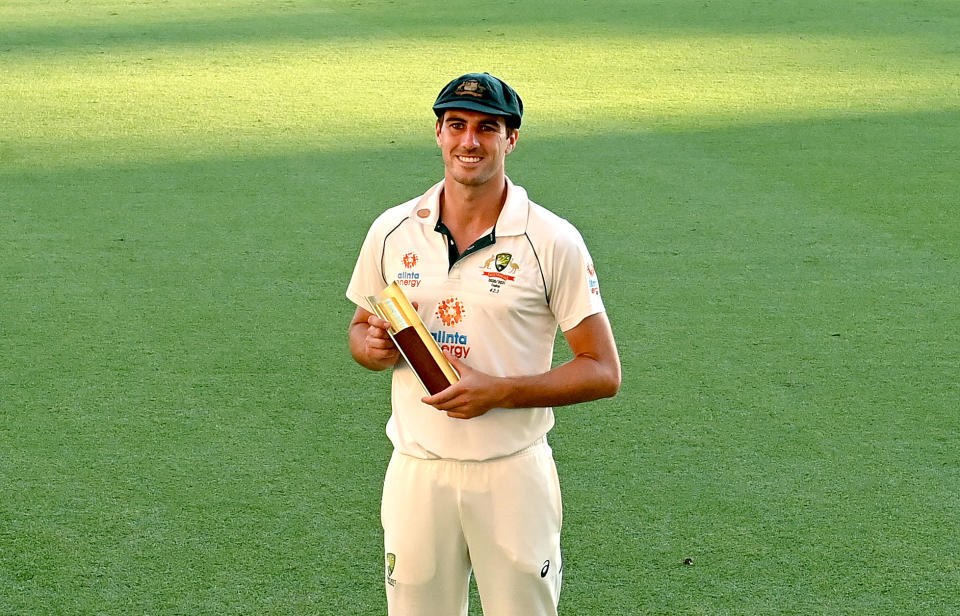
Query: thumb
{"points": [[458, 365]]}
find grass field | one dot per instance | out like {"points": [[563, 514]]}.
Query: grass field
{"points": [[770, 192]]}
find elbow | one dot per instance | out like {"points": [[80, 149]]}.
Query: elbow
{"points": [[604, 380], [610, 384]]}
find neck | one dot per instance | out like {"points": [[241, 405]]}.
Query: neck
{"points": [[472, 207]]}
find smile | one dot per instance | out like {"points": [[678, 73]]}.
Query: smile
{"points": [[469, 159]]}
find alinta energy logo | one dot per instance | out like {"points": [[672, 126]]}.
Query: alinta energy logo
{"points": [[451, 311], [592, 281], [405, 278]]}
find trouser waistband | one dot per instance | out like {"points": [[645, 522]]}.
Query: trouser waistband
{"points": [[536, 446]]}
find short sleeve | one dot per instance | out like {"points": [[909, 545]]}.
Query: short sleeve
{"points": [[367, 276], [574, 288]]}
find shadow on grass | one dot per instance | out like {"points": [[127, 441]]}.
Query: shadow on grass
{"points": [[168, 252], [371, 20], [893, 170]]}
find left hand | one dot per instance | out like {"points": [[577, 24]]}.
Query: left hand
{"points": [[473, 395]]}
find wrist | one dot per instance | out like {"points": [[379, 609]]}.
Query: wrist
{"points": [[505, 390]]}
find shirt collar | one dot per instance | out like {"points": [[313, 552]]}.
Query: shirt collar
{"points": [[513, 216], [516, 210]]}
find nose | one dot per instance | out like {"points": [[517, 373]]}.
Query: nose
{"points": [[469, 138]]}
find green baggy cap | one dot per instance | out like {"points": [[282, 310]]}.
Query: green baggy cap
{"points": [[481, 92]]}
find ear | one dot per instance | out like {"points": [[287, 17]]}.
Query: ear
{"points": [[512, 136], [437, 128]]}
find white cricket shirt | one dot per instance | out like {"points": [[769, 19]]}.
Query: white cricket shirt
{"points": [[497, 309]]}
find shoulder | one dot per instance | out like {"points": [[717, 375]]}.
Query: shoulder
{"points": [[392, 217], [547, 229], [396, 215], [389, 220]]}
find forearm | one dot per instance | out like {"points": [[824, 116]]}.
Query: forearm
{"points": [[581, 379], [594, 372]]}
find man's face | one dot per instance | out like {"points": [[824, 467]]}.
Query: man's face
{"points": [[474, 145]]}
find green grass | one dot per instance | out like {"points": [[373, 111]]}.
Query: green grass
{"points": [[770, 193]]}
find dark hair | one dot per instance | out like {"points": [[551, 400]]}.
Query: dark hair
{"points": [[511, 123]]}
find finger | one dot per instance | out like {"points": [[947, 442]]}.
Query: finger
{"points": [[462, 414], [377, 322], [458, 365], [383, 353], [380, 343], [459, 404], [443, 400], [377, 332]]}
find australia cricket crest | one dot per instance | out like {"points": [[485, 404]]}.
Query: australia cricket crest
{"points": [[391, 565], [494, 268]]}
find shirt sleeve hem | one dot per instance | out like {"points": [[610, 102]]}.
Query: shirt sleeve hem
{"points": [[568, 324]]}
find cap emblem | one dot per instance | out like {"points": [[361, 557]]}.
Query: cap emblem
{"points": [[471, 87]]}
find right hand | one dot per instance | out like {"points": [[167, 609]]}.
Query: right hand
{"points": [[377, 344], [371, 345]]}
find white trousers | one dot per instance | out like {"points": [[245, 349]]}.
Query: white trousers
{"points": [[499, 518]]}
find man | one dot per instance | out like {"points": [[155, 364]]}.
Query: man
{"points": [[472, 483]]}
